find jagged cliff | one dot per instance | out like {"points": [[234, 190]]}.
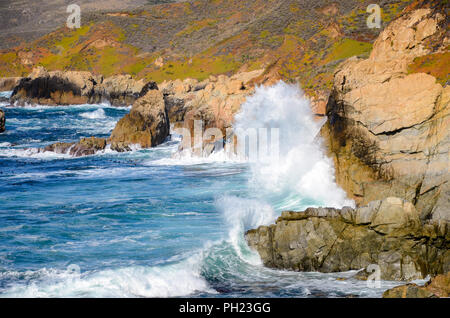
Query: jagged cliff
{"points": [[388, 134], [387, 233], [388, 128]]}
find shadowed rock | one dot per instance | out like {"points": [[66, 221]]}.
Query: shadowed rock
{"points": [[71, 87], [387, 233], [2, 121]]}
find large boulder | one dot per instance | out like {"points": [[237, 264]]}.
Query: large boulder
{"points": [[73, 87], [2, 121], [147, 124], [387, 233], [388, 130]]}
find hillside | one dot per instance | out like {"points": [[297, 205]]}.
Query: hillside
{"points": [[293, 40]]}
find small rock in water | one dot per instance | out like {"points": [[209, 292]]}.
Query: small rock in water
{"points": [[2, 121]]}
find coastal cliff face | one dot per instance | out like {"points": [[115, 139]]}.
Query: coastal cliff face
{"points": [[73, 87], [388, 134], [387, 233], [388, 127]]}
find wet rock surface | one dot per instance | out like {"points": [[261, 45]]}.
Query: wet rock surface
{"points": [[85, 147], [387, 233], [437, 287]]}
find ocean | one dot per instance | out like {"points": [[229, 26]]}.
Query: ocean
{"points": [[152, 222]]}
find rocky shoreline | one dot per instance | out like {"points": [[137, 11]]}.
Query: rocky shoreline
{"points": [[72, 88], [179, 104], [387, 233], [387, 132]]}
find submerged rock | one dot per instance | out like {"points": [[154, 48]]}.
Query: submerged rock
{"points": [[387, 233], [2, 121], [85, 147], [147, 124], [438, 286]]}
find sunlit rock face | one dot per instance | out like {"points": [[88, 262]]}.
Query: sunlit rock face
{"points": [[388, 128]]}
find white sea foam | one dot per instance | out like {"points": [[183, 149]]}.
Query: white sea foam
{"points": [[6, 94], [302, 169], [160, 281], [31, 153], [240, 215], [96, 114]]}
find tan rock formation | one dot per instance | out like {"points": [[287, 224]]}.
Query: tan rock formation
{"points": [[85, 147], [214, 101], [8, 83], [146, 125], [387, 130], [387, 233]]}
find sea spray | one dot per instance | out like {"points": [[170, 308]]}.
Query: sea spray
{"points": [[96, 114], [240, 215], [299, 175]]}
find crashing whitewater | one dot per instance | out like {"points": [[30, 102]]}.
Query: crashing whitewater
{"points": [[301, 176]]}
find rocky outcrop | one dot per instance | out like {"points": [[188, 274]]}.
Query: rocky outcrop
{"points": [[437, 287], [8, 83], [72, 87], [2, 121], [387, 233], [147, 124], [85, 147], [388, 131], [123, 89], [214, 101]]}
